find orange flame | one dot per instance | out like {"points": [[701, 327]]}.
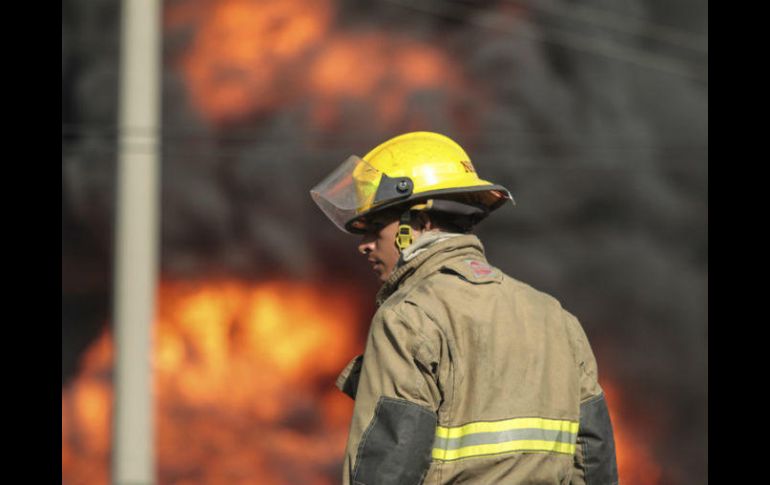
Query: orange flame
{"points": [[86, 414], [243, 388], [636, 465], [379, 71], [249, 57], [244, 50]]}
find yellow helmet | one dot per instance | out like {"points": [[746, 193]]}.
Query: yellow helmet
{"points": [[411, 167]]}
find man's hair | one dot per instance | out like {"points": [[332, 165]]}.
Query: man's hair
{"points": [[445, 214], [449, 222]]}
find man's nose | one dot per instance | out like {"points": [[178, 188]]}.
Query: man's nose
{"points": [[367, 245]]}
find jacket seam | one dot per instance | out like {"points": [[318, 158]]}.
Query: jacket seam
{"points": [[512, 417], [400, 282], [406, 402], [593, 398], [585, 450], [423, 338], [450, 410], [451, 269], [422, 342], [572, 343], [449, 395]]}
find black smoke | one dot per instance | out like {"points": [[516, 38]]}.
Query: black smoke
{"points": [[593, 114]]}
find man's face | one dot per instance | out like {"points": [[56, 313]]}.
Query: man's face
{"points": [[379, 245]]}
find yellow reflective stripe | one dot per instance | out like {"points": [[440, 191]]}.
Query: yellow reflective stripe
{"points": [[494, 437], [509, 446], [515, 423]]}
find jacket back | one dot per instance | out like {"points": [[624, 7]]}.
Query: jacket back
{"points": [[502, 368]]}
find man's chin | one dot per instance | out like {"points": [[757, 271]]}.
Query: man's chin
{"points": [[381, 274]]}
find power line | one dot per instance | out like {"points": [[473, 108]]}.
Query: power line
{"points": [[622, 23], [180, 145], [594, 167], [176, 134], [578, 42], [610, 157]]}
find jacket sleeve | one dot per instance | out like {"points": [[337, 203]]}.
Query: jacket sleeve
{"points": [[595, 462], [394, 418], [347, 381]]}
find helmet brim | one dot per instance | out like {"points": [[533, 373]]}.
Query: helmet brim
{"points": [[490, 196]]}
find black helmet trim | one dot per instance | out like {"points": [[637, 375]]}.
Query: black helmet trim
{"points": [[442, 193], [393, 189]]}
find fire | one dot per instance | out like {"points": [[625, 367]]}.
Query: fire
{"points": [[379, 71], [252, 56], [243, 387], [636, 465], [85, 415], [244, 50], [244, 393]]}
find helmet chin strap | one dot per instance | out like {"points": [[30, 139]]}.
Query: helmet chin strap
{"points": [[404, 237]]}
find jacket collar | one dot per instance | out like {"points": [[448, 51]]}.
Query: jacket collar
{"points": [[429, 260]]}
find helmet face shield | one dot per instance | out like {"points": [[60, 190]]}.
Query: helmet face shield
{"points": [[349, 190], [409, 167]]}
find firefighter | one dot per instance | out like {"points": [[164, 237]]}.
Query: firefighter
{"points": [[468, 375]]}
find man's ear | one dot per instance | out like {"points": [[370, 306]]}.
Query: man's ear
{"points": [[423, 220]]}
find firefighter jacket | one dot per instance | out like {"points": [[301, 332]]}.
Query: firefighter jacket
{"points": [[470, 376]]}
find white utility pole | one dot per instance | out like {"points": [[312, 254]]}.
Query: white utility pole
{"points": [[136, 243]]}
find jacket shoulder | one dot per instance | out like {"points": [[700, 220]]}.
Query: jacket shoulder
{"points": [[403, 306], [461, 278], [477, 271], [413, 324], [473, 270], [531, 292]]}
